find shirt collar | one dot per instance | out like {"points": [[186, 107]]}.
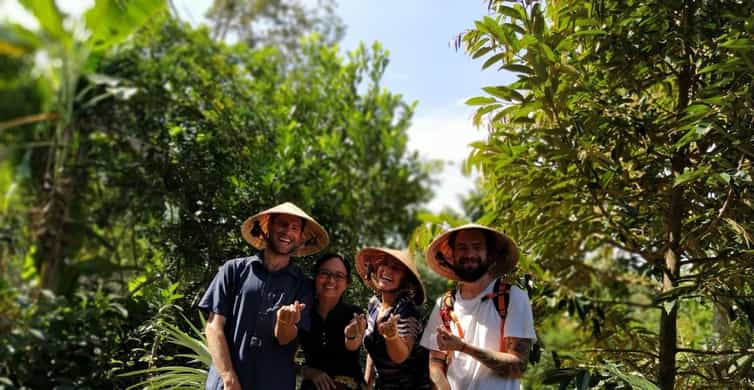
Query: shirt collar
{"points": [[290, 269]]}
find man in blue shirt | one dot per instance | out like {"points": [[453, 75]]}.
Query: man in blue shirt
{"points": [[257, 304]]}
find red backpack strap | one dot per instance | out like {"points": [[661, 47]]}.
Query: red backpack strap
{"points": [[500, 296]]}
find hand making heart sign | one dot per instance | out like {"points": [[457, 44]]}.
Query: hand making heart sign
{"points": [[290, 314]]}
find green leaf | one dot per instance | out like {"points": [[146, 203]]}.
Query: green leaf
{"points": [[49, 17], [740, 230], [112, 21], [690, 175], [694, 134], [509, 11], [504, 92], [588, 32], [481, 52], [479, 100], [493, 59], [738, 44], [548, 52], [518, 68]]}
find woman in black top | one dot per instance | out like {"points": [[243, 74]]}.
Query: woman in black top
{"points": [[394, 323], [331, 347]]}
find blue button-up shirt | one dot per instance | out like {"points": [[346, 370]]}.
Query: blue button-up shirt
{"points": [[248, 296]]}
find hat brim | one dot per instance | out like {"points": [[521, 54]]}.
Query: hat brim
{"points": [[314, 238], [504, 253], [368, 255]]}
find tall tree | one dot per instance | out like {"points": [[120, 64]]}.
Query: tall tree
{"points": [[214, 132], [622, 159], [56, 214], [277, 23]]}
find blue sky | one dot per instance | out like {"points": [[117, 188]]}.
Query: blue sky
{"points": [[423, 66]]}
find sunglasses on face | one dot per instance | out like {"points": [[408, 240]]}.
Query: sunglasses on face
{"points": [[338, 276]]}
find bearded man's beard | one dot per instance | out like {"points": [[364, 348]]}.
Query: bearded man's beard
{"points": [[470, 274]]}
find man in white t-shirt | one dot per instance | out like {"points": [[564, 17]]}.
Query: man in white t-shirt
{"points": [[465, 349]]}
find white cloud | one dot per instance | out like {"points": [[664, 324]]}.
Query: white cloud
{"points": [[446, 135]]}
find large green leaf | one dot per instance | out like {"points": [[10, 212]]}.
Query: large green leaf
{"points": [[112, 21], [49, 17]]}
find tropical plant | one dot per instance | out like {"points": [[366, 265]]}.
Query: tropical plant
{"points": [[621, 160], [58, 204], [189, 375], [176, 139]]}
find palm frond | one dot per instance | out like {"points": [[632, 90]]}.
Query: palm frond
{"points": [[178, 377]]}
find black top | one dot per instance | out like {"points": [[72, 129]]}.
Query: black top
{"points": [[324, 345], [413, 373]]}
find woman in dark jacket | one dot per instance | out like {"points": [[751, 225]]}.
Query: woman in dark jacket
{"points": [[331, 347]]}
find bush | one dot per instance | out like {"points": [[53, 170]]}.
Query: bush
{"points": [[62, 343]]}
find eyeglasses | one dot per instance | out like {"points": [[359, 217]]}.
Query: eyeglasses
{"points": [[338, 276]]}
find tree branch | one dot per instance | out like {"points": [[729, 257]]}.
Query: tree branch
{"points": [[724, 352], [608, 350], [25, 120]]}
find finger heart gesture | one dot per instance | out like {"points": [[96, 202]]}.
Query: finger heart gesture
{"points": [[290, 314], [355, 328], [389, 329]]}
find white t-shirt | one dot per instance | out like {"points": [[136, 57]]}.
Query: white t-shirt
{"points": [[481, 326]]}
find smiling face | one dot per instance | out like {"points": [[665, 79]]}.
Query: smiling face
{"points": [[331, 279], [470, 254], [390, 274], [284, 233]]}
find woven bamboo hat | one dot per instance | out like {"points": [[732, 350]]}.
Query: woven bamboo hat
{"points": [[314, 238], [368, 256], [503, 251]]}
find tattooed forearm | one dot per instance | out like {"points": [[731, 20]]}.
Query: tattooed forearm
{"points": [[520, 348], [509, 364], [437, 369]]}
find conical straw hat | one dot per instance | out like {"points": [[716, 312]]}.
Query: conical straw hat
{"points": [[367, 256], [503, 252], [256, 228]]}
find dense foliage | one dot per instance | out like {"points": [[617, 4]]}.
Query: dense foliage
{"points": [[128, 171], [621, 159]]}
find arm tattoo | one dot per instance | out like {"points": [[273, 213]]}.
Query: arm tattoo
{"points": [[509, 364], [520, 348]]}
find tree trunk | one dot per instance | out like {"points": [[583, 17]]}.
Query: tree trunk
{"points": [[59, 205], [666, 371], [668, 322]]}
